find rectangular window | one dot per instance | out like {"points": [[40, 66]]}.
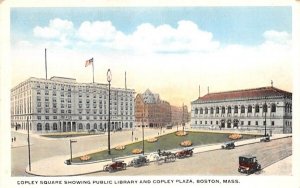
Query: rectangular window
{"points": [[249, 122], [242, 122], [256, 122], [264, 122], [196, 122], [273, 123], [39, 117]]}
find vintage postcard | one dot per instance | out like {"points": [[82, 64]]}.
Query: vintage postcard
{"points": [[149, 94]]}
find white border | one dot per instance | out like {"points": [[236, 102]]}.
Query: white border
{"points": [[5, 80]]}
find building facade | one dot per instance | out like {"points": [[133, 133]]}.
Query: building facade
{"points": [[151, 111], [266, 109], [179, 115], [61, 104]]}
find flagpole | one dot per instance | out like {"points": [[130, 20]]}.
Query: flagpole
{"points": [[46, 62], [93, 69]]}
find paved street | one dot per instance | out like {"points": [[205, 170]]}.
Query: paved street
{"points": [[206, 163], [44, 147], [218, 162]]}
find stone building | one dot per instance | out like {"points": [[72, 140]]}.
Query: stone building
{"points": [[61, 104], [179, 115], [151, 111], [260, 109]]}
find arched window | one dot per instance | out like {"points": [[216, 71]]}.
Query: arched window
{"points": [[39, 126], [47, 127], [206, 110], [242, 109], [80, 126], [249, 109], [211, 110], [88, 126], [257, 108], [217, 110], [223, 110], [273, 107], [131, 124], [236, 109], [95, 125], [55, 126], [196, 110], [229, 109], [201, 110]]}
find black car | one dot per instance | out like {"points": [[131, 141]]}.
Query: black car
{"points": [[139, 161], [228, 145], [248, 164], [265, 139]]}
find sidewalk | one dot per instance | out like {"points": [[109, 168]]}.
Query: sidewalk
{"points": [[55, 166]]}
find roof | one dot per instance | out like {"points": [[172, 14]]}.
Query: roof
{"points": [[246, 93]]}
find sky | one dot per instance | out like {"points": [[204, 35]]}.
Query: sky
{"points": [[170, 50]]}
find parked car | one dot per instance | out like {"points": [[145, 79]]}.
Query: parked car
{"points": [[187, 152], [228, 145], [139, 161], [265, 139], [117, 165], [248, 164], [92, 131]]}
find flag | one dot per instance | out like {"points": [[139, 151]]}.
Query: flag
{"points": [[89, 62]]}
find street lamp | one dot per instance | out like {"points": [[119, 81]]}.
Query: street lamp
{"points": [[183, 124], [143, 131], [28, 143], [109, 77], [265, 110], [143, 140], [71, 141]]}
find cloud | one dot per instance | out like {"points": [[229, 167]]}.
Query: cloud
{"points": [[57, 29], [97, 31], [186, 37], [277, 36]]}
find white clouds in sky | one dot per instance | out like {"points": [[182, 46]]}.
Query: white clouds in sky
{"points": [[57, 29], [97, 31], [169, 60]]}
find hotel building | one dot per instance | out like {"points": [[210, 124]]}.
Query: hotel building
{"points": [[61, 104], [261, 109]]}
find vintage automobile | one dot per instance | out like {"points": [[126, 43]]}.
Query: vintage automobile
{"points": [[187, 152], [265, 139], [139, 161], [116, 165], [248, 164], [228, 145]]}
